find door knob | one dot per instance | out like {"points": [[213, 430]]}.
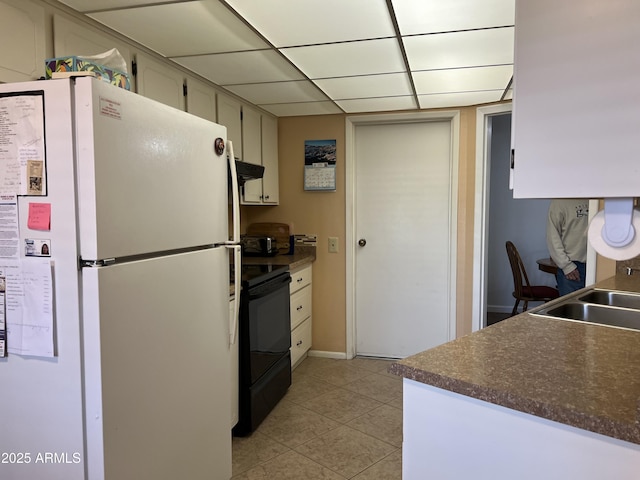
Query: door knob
{"points": [[362, 242]]}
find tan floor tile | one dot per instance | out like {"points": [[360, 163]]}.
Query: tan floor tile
{"points": [[340, 374], [383, 423], [389, 468], [253, 450], [312, 364], [342, 405], [376, 365], [307, 387], [376, 386], [396, 401], [346, 451], [290, 466], [292, 425]]}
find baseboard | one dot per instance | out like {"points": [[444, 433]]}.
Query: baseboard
{"points": [[500, 308], [323, 354]]}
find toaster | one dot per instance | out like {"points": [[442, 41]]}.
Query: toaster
{"points": [[259, 246]]}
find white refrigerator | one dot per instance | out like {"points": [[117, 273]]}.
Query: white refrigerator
{"points": [[138, 385]]}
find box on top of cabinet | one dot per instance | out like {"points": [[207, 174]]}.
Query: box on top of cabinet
{"points": [[65, 66]]}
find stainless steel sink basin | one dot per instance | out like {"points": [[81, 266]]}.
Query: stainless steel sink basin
{"points": [[614, 299], [603, 307]]}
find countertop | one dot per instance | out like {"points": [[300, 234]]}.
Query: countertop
{"points": [[579, 374], [301, 257]]}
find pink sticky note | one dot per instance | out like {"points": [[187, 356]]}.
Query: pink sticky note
{"points": [[39, 216]]}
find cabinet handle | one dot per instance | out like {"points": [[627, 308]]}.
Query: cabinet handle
{"points": [[299, 280], [266, 197], [299, 308], [299, 343]]}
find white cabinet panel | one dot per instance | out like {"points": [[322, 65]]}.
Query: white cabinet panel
{"points": [[300, 341], [301, 291], [252, 148], [576, 109], [260, 137], [201, 99], [160, 82], [74, 38], [230, 115], [23, 42], [270, 182]]}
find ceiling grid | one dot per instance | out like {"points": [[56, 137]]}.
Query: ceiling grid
{"points": [[312, 57]]}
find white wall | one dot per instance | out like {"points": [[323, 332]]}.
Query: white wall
{"points": [[523, 221]]}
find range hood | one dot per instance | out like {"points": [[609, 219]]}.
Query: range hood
{"points": [[248, 171]]}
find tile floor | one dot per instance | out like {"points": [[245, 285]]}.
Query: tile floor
{"points": [[340, 419]]}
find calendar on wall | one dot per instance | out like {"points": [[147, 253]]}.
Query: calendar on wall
{"points": [[320, 165]]}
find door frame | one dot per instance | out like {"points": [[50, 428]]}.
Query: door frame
{"points": [[351, 122], [481, 217]]}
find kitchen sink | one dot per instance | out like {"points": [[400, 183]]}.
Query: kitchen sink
{"points": [[613, 299], [603, 307]]}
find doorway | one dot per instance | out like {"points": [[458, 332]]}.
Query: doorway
{"points": [[520, 220], [401, 232]]}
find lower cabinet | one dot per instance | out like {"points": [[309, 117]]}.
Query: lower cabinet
{"points": [[300, 291]]}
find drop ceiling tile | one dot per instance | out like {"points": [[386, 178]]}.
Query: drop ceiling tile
{"points": [[278, 92], [242, 67], [385, 85], [300, 109], [95, 5], [460, 49], [461, 99], [189, 28], [304, 22], [348, 59], [432, 16], [383, 104], [462, 79]]}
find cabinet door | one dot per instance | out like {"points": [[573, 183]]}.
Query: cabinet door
{"points": [[23, 42], [201, 99], [160, 82], [230, 115], [270, 182], [74, 38], [576, 104], [252, 148]]}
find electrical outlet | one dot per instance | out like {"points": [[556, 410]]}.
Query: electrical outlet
{"points": [[333, 244]]}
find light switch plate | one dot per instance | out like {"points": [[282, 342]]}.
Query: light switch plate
{"points": [[333, 244]]}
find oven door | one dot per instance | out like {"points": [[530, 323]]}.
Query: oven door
{"points": [[268, 324]]}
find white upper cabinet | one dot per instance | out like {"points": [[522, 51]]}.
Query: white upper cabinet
{"points": [[252, 148], [260, 143], [576, 115], [270, 183], [76, 38], [160, 82], [201, 99], [230, 115], [22, 37]]}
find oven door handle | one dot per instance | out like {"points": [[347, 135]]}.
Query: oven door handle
{"points": [[268, 288]]}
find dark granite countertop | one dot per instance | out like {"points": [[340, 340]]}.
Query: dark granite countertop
{"points": [[579, 374], [300, 257]]}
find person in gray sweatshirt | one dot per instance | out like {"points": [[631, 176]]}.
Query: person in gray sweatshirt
{"points": [[567, 225]]}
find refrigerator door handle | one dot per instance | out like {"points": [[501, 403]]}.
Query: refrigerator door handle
{"points": [[233, 322], [235, 194]]}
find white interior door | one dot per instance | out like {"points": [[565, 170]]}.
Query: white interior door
{"points": [[403, 194]]}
